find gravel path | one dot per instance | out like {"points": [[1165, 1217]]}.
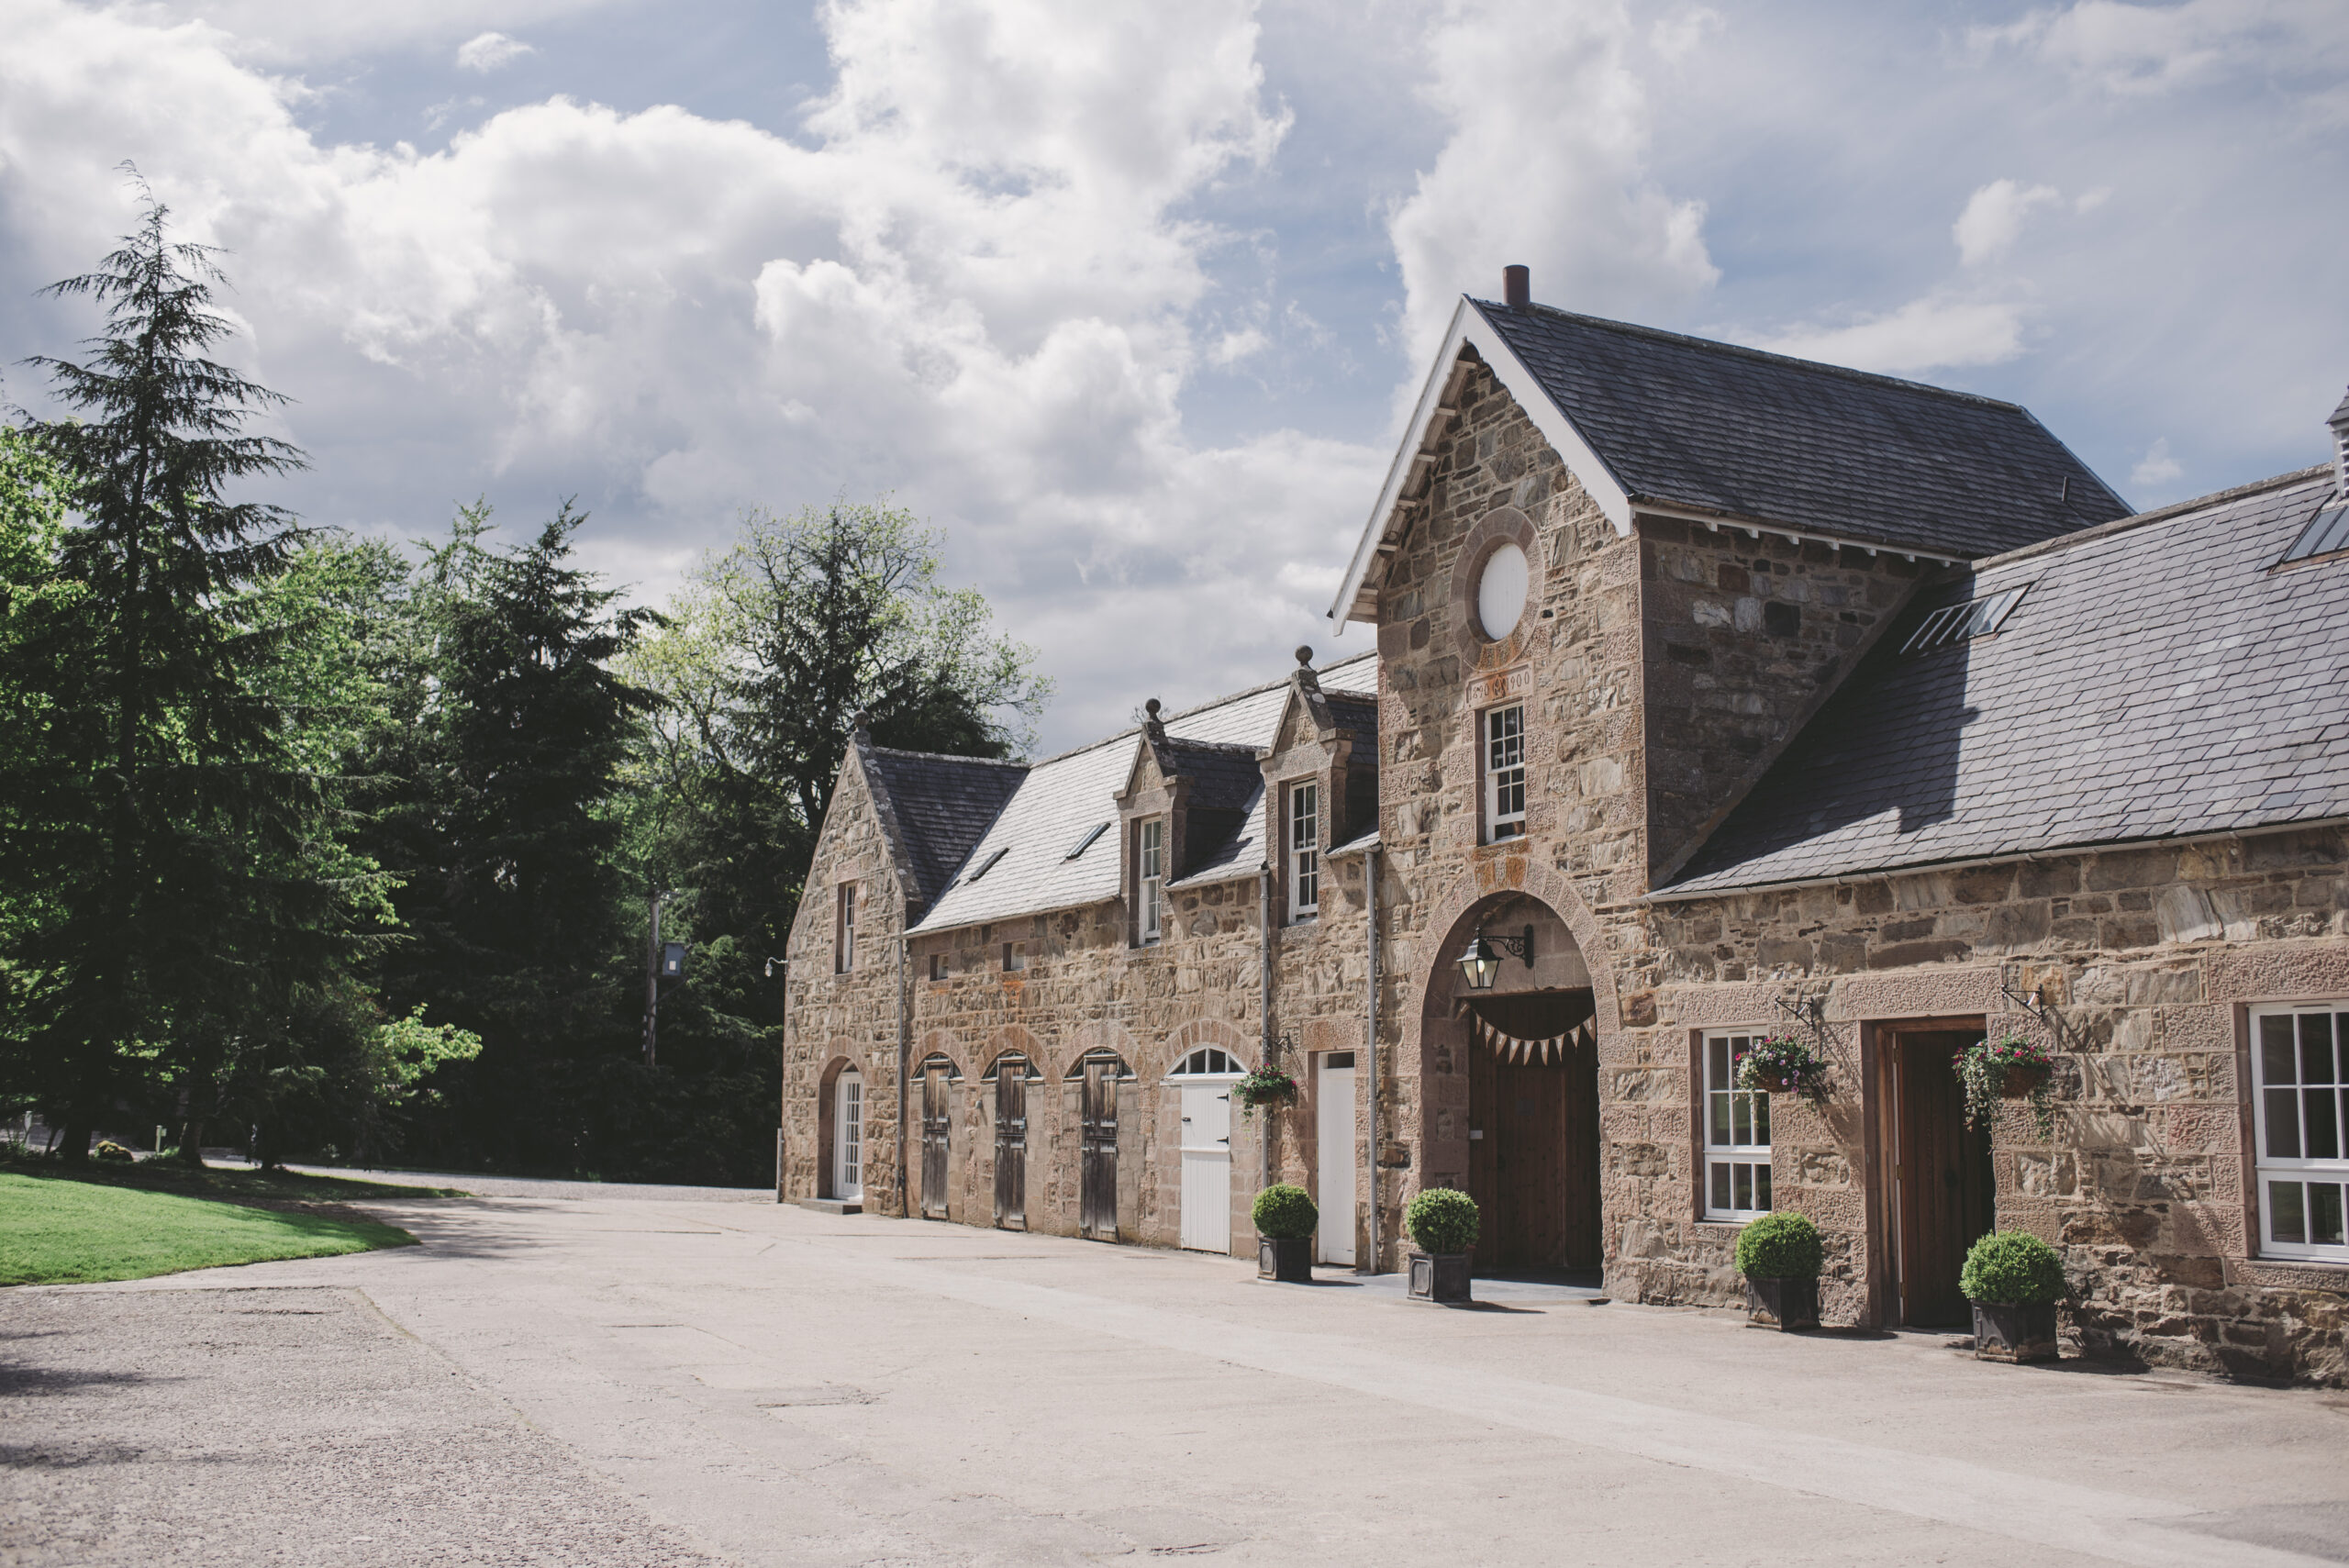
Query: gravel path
{"points": [[284, 1426]]}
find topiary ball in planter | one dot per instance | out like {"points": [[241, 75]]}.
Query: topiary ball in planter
{"points": [[2014, 1281], [1286, 1213], [1780, 1246], [1441, 1220]]}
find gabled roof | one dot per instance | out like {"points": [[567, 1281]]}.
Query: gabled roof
{"points": [[1063, 797], [1656, 421], [2160, 677], [941, 805]]}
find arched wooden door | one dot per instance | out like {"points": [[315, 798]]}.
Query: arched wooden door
{"points": [[937, 1137], [1097, 1217], [1011, 1144]]}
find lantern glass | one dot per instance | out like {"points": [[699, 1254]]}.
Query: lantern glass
{"points": [[1480, 963]]}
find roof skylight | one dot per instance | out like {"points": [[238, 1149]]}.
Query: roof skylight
{"points": [[987, 864], [1085, 841], [1963, 623], [2327, 531]]}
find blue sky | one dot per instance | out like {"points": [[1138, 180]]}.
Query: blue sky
{"points": [[1127, 300]]}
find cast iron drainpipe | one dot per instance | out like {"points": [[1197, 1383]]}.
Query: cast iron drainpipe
{"points": [[1264, 1006], [1370, 907], [905, 1070]]}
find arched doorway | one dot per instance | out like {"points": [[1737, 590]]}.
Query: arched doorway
{"points": [[1521, 1058], [848, 1134], [1204, 1078]]}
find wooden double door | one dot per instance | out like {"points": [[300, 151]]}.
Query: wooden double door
{"points": [[1943, 1195], [1533, 1161], [1011, 1148], [937, 1138], [1098, 1178]]}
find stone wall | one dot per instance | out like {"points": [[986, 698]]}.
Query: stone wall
{"points": [[2146, 960]]}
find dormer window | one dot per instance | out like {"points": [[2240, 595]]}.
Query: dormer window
{"points": [[1504, 772], [1150, 874], [1304, 850]]}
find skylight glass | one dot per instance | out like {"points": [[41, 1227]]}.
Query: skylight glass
{"points": [[1963, 623], [1085, 841], [987, 864], [2326, 532]]}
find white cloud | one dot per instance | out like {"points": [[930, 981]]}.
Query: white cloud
{"points": [[484, 53], [974, 287], [2144, 49], [1676, 37], [1545, 163], [2156, 469], [1925, 334], [1993, 217], [309, 32]]}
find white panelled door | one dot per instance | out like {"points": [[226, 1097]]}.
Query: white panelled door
{"points": [[1207, 1166], [1334, 1124], [848, 1134]]}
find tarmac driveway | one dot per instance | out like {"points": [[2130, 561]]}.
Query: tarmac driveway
{"points": [[577, 1375]]}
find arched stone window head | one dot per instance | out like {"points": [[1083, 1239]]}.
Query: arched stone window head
{"points": [[1480, 964]]}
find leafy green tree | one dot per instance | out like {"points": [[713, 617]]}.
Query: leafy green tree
{"points": [[154, 804], [509, 730]]}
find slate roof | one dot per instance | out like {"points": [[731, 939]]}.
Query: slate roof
{"points": [[942, 805], [1062, 796], [2159, 678], [1722, 429]]}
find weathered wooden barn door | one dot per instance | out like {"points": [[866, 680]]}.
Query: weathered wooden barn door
{"points": [[1944, 1191], [1098, 1201], [1011, 1147], [937, 1129], [1533, 1135]]}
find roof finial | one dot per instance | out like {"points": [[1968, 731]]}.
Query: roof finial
{"points": [[1152, 725], [862, 722], [1305, 657]]}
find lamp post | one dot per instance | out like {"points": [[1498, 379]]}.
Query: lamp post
{"points": [[1481, 965]]}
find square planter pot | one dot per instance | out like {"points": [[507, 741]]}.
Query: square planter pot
{"points": [[1288, 1261], [1440, 1277], [1782, 1303], [2016, 1334]]}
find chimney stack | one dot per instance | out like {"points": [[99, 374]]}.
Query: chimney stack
{"points": [[1517, 287]]}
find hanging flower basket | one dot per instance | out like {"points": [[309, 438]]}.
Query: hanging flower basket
{"points": [[1782, 1065], [2008, 1069], [1265, 1086]]}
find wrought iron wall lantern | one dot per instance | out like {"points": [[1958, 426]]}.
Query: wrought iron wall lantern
{"points": [[1481, 964]]}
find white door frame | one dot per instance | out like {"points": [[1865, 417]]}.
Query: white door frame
{"points": [[1334, 1118], [848, 1134], [1206, 1225]]}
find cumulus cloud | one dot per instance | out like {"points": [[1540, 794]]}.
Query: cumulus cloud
{"points": [[1544, 163], [1992, 220], [1678, 35], [1924, 334], [975, 284], [306, 32], [2156, 469], [2146, 49], [484, 53]]}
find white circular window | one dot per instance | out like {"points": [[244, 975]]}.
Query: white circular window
{"points": [[1500, 591]]}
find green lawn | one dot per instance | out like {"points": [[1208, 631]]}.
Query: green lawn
{"points": [[62, 1229]]}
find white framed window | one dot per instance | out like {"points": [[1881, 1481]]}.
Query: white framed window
{"points": [[844, 929], [847, 1141], [2300, 1065], [1150, 874], [1504, 772], [1304, 850], [1737, 1133]]}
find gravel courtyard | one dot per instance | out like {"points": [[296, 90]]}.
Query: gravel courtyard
{"points": [[570, 1374]]}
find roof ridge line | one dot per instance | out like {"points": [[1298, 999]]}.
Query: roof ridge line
{"points": [[1876, 377], [1193, 711], [2096, 531], [947, 757]]}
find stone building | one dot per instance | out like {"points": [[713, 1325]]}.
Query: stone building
{"points": [[1717, 695]]}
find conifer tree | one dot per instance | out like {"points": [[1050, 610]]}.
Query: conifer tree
{"points": [[152, 806]]}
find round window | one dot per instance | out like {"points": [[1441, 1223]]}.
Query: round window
{"points": [[1500, 591]]}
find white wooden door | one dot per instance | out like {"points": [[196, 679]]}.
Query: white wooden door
{"points": [[1333, 1122], [1206, 1167], [848, 1134]]}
